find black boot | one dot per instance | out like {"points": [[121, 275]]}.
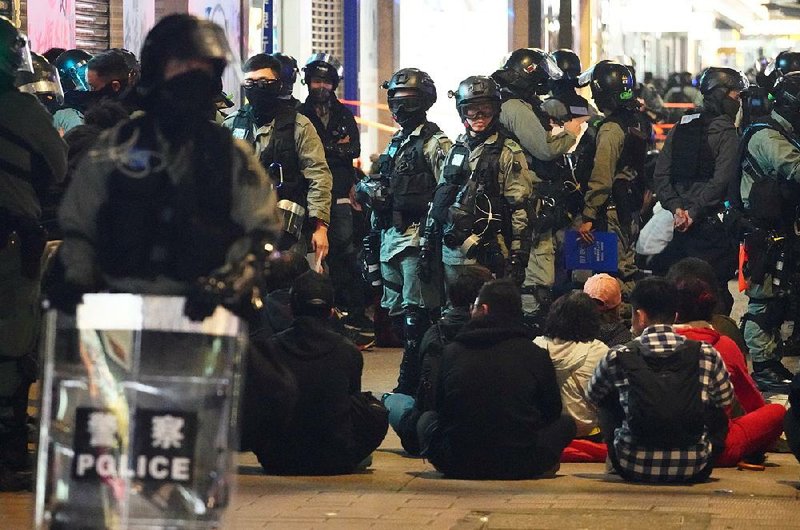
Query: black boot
{"points": [[415, 324], [772, 376]]}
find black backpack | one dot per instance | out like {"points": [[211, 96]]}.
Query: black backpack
{"points": [[665, 406]]}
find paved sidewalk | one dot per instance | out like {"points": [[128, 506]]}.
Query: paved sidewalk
{"points": [[398, 492]]}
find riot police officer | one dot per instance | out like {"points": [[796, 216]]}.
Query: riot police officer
{"points": [[524, 77], [33, 158], [564, 102], [288, 145], [615, 187], [696, 165], [770, 193], [167, 197], [43, 83], [340, 136], [485, 188], [288, 77], [72, 65], [399, 197]]}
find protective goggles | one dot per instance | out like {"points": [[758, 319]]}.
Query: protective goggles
{"points": [[259, 83], [476, 111]]}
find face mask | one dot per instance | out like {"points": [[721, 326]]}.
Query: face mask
{"points": [[406, 110], [108, 91], [184, 98], [319, 95], [731, 107], [264, 101]]}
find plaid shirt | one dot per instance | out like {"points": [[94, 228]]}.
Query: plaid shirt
{"points": [[647, 463]]}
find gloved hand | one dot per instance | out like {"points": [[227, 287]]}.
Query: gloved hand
{"points": [[64, 296], [372, 242], [518, 263], [425, 265], [203, 299]]}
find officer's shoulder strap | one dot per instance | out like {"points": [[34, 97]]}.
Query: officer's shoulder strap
{"points": [[285, 118], [428, 130]]}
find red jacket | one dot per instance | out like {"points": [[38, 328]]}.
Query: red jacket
{"points": [[744, 387]]}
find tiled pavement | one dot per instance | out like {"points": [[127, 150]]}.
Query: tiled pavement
{"points": [[398, 492]]}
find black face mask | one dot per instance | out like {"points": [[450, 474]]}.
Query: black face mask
{"points": [[407, 111], [319, 95], [108, 91], [264, 101], [182, 100], [731, 107]]}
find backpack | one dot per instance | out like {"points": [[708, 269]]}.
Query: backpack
{"points": [[665, 406]]}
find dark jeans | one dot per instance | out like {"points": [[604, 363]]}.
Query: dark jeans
{"points": [[707, 240], [505, 464], [342, 260], [610, 416]]}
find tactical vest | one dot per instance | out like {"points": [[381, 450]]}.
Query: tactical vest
{"points": [[281, 149], [692, 158], [576, 105], [411, 179], [772, 200], [627, 189], [457, 171], [150, 225]]}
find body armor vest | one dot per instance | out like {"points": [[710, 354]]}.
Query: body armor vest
{"points": [[411, 180], [772, 200], [692, 158], [151, 225], [281, 150]]}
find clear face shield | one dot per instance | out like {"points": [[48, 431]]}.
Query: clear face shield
{"points": [[44, 81], [24, 49], [550, 67], [584, 78]]}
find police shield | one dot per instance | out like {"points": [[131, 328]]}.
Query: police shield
{"points": [[138, 413]]}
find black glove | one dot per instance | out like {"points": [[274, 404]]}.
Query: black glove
{"points": [[372, 242], [519, 263], [65, 296], [203, 299], [425, 265]]}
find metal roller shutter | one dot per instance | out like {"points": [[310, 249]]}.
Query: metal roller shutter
{"points": [[92, 29]]}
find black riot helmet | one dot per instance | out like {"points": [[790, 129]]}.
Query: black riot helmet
{"points": [[15, 54], [786, 61], [476, 89], [323, 66], [43, 82], [289, 71], [569, 63], [612, 85], [787, 96], [415, 80], [72, 66], [715, 77], [181, 36], [527, 72]]}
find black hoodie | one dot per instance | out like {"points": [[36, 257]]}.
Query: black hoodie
{"points": [[496, 389], [318, 438]]}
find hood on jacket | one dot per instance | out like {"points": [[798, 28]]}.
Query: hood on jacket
{"points": [[309, 338], [699, 331], [486, 331], [568, 356]]}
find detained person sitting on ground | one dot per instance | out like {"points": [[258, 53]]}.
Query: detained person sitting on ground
{"points": [[570, 338], [606, 292], [334, 427], [405, 410], [753, 425], [661, 397], [498, 407]]}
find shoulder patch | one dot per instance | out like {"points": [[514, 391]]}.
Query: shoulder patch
{"points": [[513, 146], [688, 118]]}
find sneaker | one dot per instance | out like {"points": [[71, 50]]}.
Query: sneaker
{"points": [[359, 323], [772, 379], [361, 340]]}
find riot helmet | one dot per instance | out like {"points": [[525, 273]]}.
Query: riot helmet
{"points": [[43, 83], [323, 66], [786, 61], [787, 97], [72, 66], [474, 91], [612, 85], [15, 53], [289, 71], [569, 63], [715, 85], [410, 93], [182, 37], [527, 71], [183, 58]]}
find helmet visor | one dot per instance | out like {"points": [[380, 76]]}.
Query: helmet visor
{"points": [[47, 82], [24, 50], [329, 59], [550, 67], [584, 78]]}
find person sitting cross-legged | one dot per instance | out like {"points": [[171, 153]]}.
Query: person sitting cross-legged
{"points": [[661, 397], [498, 407]]}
